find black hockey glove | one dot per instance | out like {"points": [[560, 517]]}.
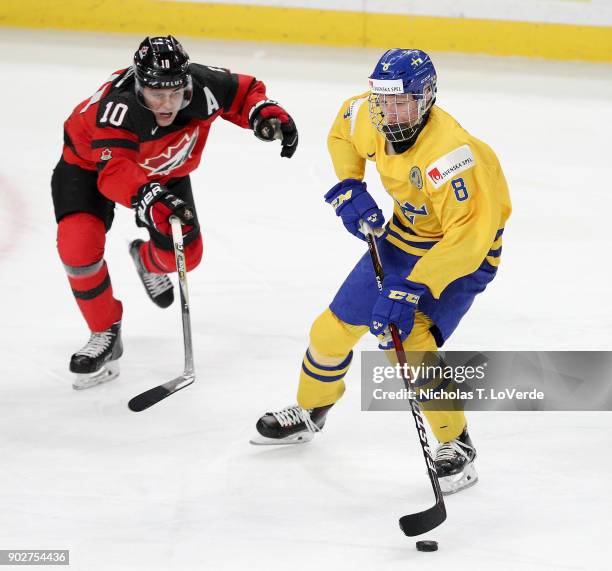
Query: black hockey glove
{"points": [[154, 204], [270, 121]]}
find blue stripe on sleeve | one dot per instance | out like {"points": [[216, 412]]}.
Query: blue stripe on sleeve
{"points": [[420, 245], [403, 228]]}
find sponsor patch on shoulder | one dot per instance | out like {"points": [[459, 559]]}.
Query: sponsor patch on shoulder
{"points": [[449, 165]]}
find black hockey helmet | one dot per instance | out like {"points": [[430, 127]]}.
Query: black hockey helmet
{"points": [[162, 63]]}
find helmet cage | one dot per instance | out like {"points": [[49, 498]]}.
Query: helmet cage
{"points": [[399, 115]]}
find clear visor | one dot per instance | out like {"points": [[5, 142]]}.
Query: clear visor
{"points": [[165, 99], [398, 116]]}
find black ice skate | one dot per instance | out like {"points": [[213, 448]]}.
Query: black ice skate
{"points": [[158, 286], [291, 425], [98, 362], [455, 464]]}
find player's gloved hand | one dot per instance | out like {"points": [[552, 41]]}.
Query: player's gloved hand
{"points": [[353, 203], [154, 204], [397, 303], [270, 121]]}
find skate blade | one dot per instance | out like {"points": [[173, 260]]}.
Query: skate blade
{"points": [[107, 373], [298, 438], [457, 482]]}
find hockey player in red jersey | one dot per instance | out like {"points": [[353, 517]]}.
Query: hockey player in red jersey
{"points": [[134, 142]]}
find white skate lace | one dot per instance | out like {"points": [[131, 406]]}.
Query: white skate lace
{"points": [[292, 415], [156, 284], [450, 450], [97, 344]]}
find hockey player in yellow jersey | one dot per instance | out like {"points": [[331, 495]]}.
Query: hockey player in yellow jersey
{"points": [[440, 249]]}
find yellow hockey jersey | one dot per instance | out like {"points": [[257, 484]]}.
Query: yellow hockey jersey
{"points": [[451, 198]]}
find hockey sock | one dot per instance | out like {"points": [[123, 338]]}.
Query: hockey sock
{"points": [[444, 417], [321, 385], [94, 296], [446, 425], [80, 243]]}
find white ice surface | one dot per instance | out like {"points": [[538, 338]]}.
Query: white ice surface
{"points": [[179, 487]]}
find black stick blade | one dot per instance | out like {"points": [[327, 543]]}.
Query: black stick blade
{"points": [[422, 522], [148, 398], [153, 396]]}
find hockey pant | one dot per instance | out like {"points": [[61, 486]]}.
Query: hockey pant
{"points": [[329, 356]]}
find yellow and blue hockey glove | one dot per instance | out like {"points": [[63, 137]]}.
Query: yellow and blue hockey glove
{"points": [[352, 202], [397, 303]]}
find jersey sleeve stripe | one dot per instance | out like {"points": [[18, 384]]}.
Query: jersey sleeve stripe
{"points": [[408, 235], [401, 226], [419, 252], [118, 143], [113, 133], [234, 86], [70, 145], [354, 110], [421, 245]]}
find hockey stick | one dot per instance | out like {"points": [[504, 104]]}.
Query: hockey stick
{"points": [[421, 522], [154, 395]]}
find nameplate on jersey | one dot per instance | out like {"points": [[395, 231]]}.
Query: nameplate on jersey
{"points": [[386, 86], [449, 165]]}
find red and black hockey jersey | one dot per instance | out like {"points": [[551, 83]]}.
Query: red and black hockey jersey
{"points": [[113, 133]]}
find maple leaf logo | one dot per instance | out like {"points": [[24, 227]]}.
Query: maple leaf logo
{"points": [[173, 157]]}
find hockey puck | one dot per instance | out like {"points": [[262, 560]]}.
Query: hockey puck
{"points": [[427, 545]]}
